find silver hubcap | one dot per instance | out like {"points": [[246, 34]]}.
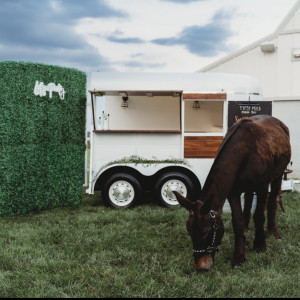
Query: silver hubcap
{"points": [[168, 188], [121, 193]]}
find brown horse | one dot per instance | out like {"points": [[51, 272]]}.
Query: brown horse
{"points": [[253, 155]]}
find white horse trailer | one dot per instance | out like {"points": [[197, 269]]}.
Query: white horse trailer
{"points": [[161, 132]]}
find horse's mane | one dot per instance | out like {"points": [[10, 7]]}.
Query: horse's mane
{"points": [[231, 132], [234, 128]]}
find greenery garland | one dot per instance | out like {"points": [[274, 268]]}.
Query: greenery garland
{"points": [[138, 160]]}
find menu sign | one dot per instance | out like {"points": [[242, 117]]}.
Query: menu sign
{"points": [[238, 110]]}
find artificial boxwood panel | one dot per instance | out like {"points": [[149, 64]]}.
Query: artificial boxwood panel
{"points": [[41, 139]]}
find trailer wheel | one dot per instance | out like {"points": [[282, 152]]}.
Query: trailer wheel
{"points": [[174, 181], [121, 190]]}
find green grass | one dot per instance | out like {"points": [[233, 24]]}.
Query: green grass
{"points": [[95, 251]]}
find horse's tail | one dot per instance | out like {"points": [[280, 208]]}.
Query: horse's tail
{"points": [[285, 129]]}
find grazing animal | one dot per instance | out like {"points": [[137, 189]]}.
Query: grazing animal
{"points": [[253, 155]]}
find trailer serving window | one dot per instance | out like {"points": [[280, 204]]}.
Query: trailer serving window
{"points": [[204, 117], [144, 111], [204, 113]]}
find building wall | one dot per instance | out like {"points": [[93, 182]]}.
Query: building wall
{"points": [[277, 71], [288, 112], [279, 74]]}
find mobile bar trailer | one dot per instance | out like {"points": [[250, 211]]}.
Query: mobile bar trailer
{"points": [[160, 132]]}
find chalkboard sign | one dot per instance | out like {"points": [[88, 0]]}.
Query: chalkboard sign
{"points": [[237, 110]]}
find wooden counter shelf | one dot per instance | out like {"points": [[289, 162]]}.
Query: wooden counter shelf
{"points": [[137, 131]]}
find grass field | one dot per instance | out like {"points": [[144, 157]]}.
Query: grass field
{"points": [[95, 251]]}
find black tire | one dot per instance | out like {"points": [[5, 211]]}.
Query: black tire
{"points": [[170, 182], [121, 190]]}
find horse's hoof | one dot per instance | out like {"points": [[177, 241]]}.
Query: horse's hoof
{"points": [[238, 262], [261, 249], [273, 233]]}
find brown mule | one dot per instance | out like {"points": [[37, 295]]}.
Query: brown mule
{"points": [[253, 155]]}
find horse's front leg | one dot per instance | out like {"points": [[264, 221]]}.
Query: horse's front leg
{"points": [[259, 220], [239, 254]]}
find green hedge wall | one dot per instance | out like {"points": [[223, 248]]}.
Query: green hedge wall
{"points": [[42, 140]]}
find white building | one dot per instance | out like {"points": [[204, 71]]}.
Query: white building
{"points": [[275, 61]]}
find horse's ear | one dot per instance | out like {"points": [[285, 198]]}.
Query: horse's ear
{"points": [[186, 203]]}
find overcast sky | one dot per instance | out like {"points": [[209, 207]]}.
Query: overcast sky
{"points": [[134, 35]]}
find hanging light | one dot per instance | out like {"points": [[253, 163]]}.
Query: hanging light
{"points": [[124, 102], [196, 105]]}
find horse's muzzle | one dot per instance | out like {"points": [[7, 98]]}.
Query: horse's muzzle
{"points": [[204, 263]]}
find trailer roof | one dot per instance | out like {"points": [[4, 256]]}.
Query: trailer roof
{"points": [[110, 83]]}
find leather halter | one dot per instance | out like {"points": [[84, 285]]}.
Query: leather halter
{"points": [[211, 248]]}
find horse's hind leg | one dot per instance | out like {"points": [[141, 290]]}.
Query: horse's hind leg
{"points": [[272, 207], [259, 219], [248, 199]]}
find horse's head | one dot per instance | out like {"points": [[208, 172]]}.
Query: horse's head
{"points": [[206, 230]]}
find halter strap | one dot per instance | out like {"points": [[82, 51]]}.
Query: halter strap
{"points": [[211, 248]]}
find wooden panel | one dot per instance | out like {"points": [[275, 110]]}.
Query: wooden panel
{"points": [[201, 146], [204, 96]]}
